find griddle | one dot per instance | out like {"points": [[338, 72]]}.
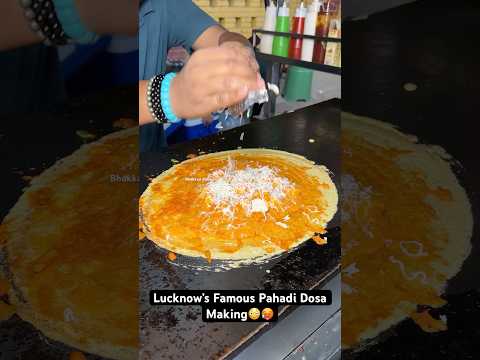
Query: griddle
{"points": [[179, 331], [435, 46]]}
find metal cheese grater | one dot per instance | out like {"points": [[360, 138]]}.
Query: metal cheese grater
{"points": [[253, 97]]}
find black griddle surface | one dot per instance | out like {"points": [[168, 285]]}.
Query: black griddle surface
{"points": [[412, 44], [179, 331]]}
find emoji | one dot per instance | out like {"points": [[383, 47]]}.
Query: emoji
{"points": [[254, 313], [267, 314]]}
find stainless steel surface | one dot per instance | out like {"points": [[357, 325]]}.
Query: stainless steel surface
{"points": [[316, 328], [323, 344]]}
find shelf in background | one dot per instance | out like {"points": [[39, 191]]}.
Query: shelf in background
{"points": [[297, 35], [305, 64], [284, 60]]}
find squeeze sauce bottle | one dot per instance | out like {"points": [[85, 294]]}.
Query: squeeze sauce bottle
{"points": [[295, 49], [317, 4], [266, 42], [280, 43], [323, 25], [310, 26]]}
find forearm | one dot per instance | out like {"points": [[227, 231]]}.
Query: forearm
{"points": [[15, 29], [102, 17], [217, 35], [235, 37], [144, 115]]}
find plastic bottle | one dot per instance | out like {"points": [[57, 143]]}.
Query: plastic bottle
{"points": [[310, 28], [298, 27], [317, 5], [332, 51], [266, 42], [280, 43], [323, 25]]}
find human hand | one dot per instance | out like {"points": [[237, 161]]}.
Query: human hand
{"points": [[248, 52], [213, 79]]}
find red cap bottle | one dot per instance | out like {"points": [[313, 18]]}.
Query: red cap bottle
{"points": [[295, 48]]}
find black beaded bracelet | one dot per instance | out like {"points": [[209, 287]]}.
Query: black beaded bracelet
{"points": [[153, 99], [44, 22]]}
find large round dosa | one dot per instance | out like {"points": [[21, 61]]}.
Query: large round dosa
{"points": [[71, 249], [151, 204], [406, 227]]}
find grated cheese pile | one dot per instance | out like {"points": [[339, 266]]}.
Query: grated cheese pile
{"points": [[229, 187]]}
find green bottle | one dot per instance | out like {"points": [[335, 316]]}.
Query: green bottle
{"points": [[281, 43]]}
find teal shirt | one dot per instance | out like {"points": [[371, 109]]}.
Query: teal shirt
{"points": [[164, 24]]}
